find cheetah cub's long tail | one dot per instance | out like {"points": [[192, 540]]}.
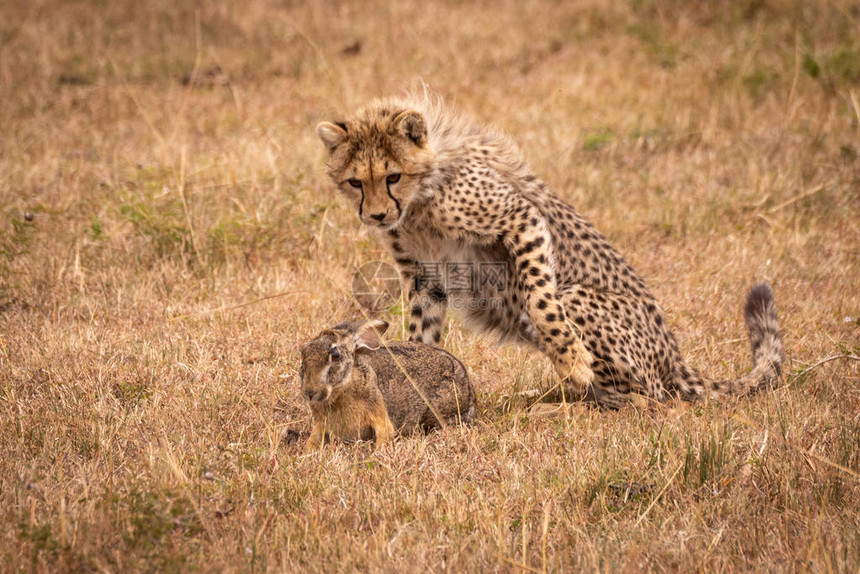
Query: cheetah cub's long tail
{"points": [[766, 342]]}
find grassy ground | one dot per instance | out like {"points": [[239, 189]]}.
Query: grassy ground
{"points": [[148, 416]]}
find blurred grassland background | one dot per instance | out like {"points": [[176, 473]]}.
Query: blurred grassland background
{"points": [[167, 243]]}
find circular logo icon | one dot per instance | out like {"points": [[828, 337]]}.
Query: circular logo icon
{"points": [[376, 286]]}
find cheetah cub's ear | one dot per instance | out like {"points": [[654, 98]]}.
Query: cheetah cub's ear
{"points": [[410, 124], [332, 135]]}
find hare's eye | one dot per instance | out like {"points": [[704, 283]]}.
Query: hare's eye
{"points": [[393, 178], [356, 183], [335, 353]]}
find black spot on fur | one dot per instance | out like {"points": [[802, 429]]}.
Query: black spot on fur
{"points": [[530, 246], [437, 294]]}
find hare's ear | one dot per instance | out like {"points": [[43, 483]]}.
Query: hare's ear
{"points": [[332, 134], [367, 334]]}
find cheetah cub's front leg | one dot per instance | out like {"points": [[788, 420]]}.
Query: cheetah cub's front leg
{"points": [[426, 316], [427, 302], [531, 248], [427, 311]]}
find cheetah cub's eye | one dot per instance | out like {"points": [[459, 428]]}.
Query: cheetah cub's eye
{"points": [[393, 178], [335, 353], [356, 183]]}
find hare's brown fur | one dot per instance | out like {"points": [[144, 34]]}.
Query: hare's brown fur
{"points": [[372, 390]]}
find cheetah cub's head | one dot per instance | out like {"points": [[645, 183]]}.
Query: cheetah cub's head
{"points": [[378, 158]]}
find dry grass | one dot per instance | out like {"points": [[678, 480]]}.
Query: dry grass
{"points": [[145, 418]]}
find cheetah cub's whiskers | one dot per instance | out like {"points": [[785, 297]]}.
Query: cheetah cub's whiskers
{"points": [[438, 189]]}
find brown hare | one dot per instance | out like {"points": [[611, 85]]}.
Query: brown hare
{"points": [[359, 388]]}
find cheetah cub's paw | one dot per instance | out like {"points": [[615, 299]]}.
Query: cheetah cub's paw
{"points": [[574, 368]]}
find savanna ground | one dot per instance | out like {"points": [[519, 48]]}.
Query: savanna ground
{"points": [[167, 243]]}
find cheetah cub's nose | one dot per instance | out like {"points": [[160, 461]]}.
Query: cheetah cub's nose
{"points": [[378, 216]]}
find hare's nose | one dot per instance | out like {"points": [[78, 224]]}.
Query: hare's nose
{"points": [[318, 396]]}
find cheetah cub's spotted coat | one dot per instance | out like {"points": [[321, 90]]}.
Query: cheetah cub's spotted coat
{"points": [[438, 188]]}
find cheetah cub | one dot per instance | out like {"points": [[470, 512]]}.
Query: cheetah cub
{"points": [[441, 190]]}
